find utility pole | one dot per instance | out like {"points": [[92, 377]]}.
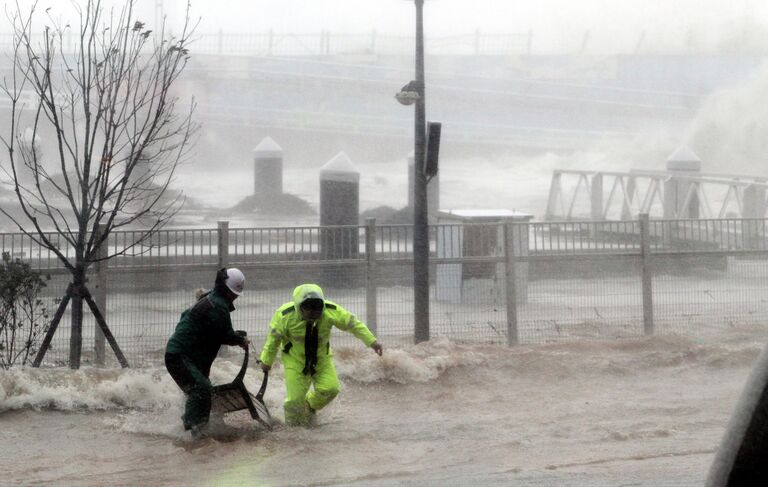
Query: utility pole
{"points": [[420, 219]]}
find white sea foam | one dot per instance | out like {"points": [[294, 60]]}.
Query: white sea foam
{"points": [[87, 388], [153, 389], [418, 363]]}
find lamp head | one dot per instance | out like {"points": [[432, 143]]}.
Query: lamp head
{"points": [[409, 94]]}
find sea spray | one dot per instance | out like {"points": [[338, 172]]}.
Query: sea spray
{"points": [[87, 388], [153, 389], [417, 363]]}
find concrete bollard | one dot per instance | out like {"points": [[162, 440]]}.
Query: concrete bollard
{"points": [[339, 205], [677, 201], [754, 207], [268, 169]]}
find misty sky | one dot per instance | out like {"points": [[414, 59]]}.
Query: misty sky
{"points": [[557, 25]]}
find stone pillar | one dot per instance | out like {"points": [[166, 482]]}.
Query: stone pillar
{"points": [[754, 200], [268, 169], [684, 162], [754, 231], [339, 205], [433, 192]]}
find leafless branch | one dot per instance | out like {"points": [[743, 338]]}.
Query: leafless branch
{"points": [[118, 134]]}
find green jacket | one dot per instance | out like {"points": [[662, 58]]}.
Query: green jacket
{"points": [[288, 328], [202, 329]]}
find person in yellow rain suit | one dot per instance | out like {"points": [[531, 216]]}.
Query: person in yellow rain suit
{"points": [[301, 330]]}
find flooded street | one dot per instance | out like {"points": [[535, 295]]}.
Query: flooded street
{"points": [[647, 412], [583, 180]]}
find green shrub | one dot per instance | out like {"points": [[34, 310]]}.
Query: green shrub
{"points": [[23, 315]]}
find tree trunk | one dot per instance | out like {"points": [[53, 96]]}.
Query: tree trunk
{"points": [[76, 335], [104, 328], [54, 325]]}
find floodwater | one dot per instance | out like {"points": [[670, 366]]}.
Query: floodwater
{"points": [[637, 412]]}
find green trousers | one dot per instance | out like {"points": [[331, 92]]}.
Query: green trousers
{"points": [[195, 385], [300, 401]]}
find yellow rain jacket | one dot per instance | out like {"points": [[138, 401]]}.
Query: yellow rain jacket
{"points": [[287, 334]]}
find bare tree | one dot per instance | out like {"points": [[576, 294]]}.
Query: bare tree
{"points": [[102, 91]]}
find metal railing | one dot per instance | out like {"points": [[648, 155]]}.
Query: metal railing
{"points": [[326, 43], [503, 283], [671, 194]]}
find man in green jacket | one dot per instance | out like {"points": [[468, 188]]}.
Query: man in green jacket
{"points": [[201, 331], [301, 329]]}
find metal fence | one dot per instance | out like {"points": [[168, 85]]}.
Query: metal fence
{"points": [[326, 43], [504, 283]]}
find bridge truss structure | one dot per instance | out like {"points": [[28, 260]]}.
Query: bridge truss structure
{"points": [[611, 195]]}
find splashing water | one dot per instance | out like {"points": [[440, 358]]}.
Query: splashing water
{"points": [[646, 411]]}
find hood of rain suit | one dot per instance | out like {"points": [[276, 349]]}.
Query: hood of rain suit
{"points": [[305, 292]]}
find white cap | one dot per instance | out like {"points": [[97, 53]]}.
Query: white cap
{"points": [[235, 281]]}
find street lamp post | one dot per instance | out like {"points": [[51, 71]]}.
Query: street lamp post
{"points": [[410, 94], [420, 219]]}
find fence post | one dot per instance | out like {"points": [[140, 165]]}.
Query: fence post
{"points": [[647, 273], [370, 275], [100, 295], [511, 285], [223, 244]]}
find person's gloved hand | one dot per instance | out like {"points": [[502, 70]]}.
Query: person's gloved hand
{"points": [[264, 367], [376, 346], [245, 341]]}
